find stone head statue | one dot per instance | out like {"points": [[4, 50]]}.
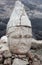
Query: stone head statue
{"points": [[19, 30]]}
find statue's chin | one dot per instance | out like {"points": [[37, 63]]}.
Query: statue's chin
{"points": [[18, 51]]}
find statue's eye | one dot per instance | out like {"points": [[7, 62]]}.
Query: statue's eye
{"points": [[14, 36], [27, 36], [17, 36], [20, 36]]}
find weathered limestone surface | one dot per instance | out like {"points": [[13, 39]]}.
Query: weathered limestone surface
{"points": [[5, 55], [19, 30], [20, 62], [19, 38], [36, 44], [7, 59]]}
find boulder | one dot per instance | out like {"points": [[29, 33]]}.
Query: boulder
{"points": [[1, 59], [4, 50], [20, 62], [7, 61], [36, 62], [6, 54], [4, 39], [36, 44], [4, 47], [1, 64]]}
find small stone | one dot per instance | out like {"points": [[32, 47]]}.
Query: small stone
{"points": [[1, 64], [37, 56], [7, 61], [22, 56], [1, 58], [36, 62], [13, 57], [1, 52], [30, 56], [6, 54]]}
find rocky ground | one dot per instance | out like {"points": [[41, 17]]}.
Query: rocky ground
{"points": [[7, 58]]}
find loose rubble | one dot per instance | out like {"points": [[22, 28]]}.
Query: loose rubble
{"points": [[7, 58], [36, 44]]}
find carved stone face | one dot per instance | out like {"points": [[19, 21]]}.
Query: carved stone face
{"points": [[19, 29], [20, 39]]}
